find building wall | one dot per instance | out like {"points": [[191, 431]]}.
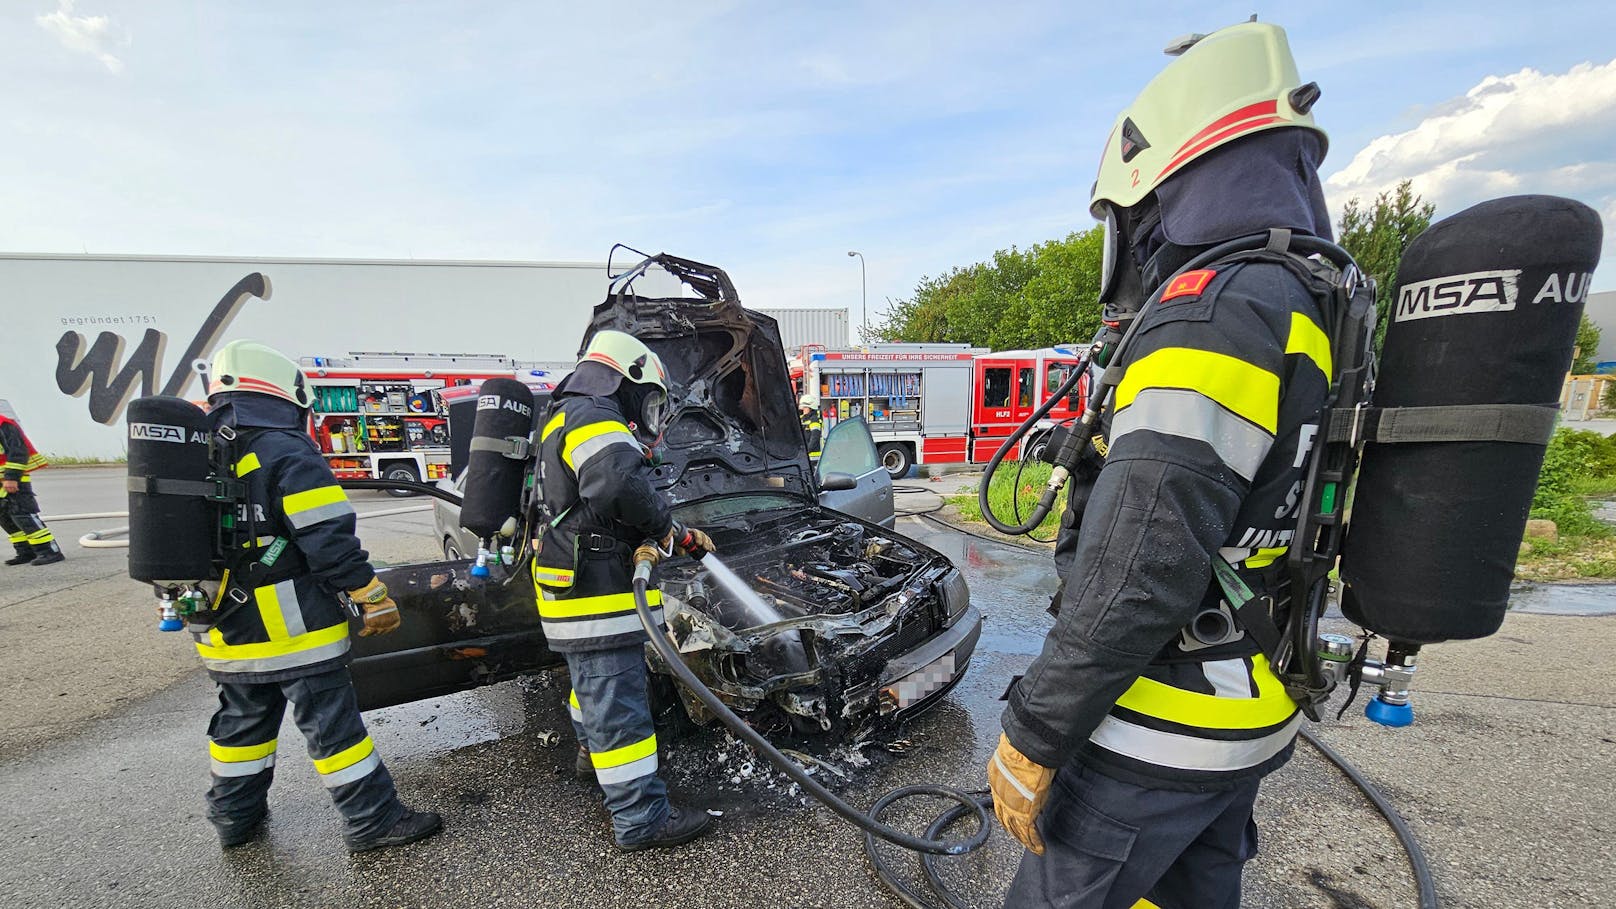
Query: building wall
{"points": [[825, 327], [75, 324], [1601, 310]]}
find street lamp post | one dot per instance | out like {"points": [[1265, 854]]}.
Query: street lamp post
{"points": [[864, 297]]}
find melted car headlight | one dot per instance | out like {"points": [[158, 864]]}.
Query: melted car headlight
{"points": [[956, 595]]}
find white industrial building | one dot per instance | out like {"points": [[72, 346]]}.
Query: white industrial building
{"points": [[86, 333]]}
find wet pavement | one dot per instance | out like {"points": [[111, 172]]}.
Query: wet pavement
{"points": [[1505, 778]]}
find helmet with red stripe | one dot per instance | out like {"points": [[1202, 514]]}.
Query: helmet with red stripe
{"points": [[1229, 85], [259, 368], [1221, 87]]}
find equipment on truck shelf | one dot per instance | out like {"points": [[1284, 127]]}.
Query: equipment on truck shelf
{"points": [[381, 415]]}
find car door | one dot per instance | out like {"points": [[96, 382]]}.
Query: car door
{"points": [[849, 452]]}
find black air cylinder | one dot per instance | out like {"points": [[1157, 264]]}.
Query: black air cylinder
{"points": [[493, 487], [1486, 312], [171, 536]]}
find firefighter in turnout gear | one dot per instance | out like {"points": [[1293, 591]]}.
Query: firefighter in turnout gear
{"points": [[281, 634], [812, 427], [597, 482], [1134, 745], [19, 507]]}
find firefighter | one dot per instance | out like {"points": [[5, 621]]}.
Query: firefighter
{"points": [[281, 633], [811, 426], [1133, 747], [598, 481], [19, 507]]}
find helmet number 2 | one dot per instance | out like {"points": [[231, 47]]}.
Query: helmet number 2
{"points": [[1135, 177]]}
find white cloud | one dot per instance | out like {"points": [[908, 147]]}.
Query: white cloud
{"points": [[1525, 132], [91, 35]]}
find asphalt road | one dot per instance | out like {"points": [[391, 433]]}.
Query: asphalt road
{"points": [[1505, 777]]}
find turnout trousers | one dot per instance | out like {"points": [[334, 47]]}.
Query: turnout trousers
{"points": [[611, 712], [1113, 845], [242, 744], [19, 517]]}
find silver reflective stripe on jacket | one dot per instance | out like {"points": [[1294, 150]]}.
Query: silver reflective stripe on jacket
{"points": [[280, 661], [597, 628], [1185, 752], [1191, 415]]}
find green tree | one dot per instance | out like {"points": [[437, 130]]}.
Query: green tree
{"points": [[1045, 295], [1587, 347], [1376, 236]]}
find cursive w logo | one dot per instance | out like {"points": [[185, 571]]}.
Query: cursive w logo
{"points": [[110, 386]]}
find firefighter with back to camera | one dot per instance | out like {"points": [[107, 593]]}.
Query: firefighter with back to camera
{"points": [[282, 633], [1134, 745], [19, 507], [597, 483]]}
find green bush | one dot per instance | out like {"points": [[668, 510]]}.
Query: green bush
{"points": [[1575, 459]]}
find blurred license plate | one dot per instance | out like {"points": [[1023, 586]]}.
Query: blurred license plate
{"points": [[923, 682]]}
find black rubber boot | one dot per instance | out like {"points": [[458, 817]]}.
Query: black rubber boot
{"points": [[49, 557], [582, 766], [414, 825], [681, 826], [25, 554], [240, 834]]}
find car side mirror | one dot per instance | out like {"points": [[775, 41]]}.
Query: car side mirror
{"points": [[837, 482]]}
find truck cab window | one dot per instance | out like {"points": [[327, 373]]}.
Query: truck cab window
{"points": [[1024, 388], [996, 387]]}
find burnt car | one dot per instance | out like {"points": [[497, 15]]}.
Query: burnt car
{"points": [[852, 622]]}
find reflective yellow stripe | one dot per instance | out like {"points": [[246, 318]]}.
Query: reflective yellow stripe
{"points": [[1309, 340], [627, 754], [1262, 558], [608, 604], [269, 611], [592, 431], [1241, 388], [235, 754], [347, 757], [1191, 708], [1145, 904], [572, 700], [219, 650], [556, 422], [247, 464], [311, 499]]}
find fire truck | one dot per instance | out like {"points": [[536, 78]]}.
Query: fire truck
{"points": [[382, 415], [938, 403]]}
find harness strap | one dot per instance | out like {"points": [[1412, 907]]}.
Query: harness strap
{"points": [[1252, 613], [517, 448], [1528, 424]]}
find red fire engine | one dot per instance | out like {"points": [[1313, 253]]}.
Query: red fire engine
{"points": [[937, 403], [381, 415]]}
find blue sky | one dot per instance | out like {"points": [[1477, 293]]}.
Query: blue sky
{"points": [[767, 138]]}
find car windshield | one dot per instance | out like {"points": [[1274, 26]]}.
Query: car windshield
{"points": [[711, 511]]}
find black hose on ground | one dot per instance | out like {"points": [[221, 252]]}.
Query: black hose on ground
{"points": [[425, 489]]}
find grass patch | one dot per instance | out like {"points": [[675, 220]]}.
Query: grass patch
{"points": [[1594, 487], [58, 460], [1004, 493]]}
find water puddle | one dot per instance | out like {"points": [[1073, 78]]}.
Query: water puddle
{"points": [[1564, 599]]}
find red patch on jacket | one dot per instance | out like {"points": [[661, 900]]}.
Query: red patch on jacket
{"points": [[1189, 284]]}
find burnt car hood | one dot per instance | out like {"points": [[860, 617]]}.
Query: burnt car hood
{"points": [[732, 424]]}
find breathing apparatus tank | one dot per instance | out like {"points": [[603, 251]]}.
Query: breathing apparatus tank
{"points": [[174, 508], [1477, 344], [497, 465]]}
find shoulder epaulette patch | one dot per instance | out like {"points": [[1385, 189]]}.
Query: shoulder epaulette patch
{"points": [[1189, 284]]}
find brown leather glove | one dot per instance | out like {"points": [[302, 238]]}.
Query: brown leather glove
{"points": [[381, 613], [1020, 788], [689, 540]]}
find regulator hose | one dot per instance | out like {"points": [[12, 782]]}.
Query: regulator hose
{"points": [[426, 489]]}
